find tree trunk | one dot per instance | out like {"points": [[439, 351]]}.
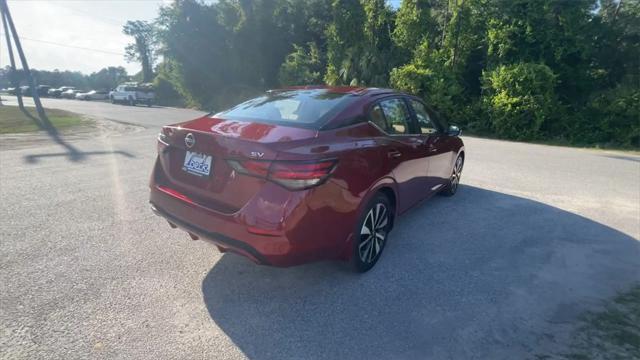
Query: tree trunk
{"points": [[143, 49]]}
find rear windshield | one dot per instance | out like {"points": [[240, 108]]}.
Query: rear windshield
{"points": [[306, 108]]}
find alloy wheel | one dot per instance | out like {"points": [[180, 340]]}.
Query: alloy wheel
{"points": [[373, 233], [456, 173]]}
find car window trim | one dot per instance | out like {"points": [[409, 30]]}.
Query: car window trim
{"points": [[377, 102]]}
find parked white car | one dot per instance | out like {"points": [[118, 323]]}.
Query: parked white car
{"points": [[69, 94], [92, 95], [132, 94]]}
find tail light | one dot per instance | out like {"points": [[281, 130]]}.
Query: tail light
{"points": [[294, 175], [163, 137]]}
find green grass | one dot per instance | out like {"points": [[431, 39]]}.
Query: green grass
{"points": [[613, 333], [12, 120]]}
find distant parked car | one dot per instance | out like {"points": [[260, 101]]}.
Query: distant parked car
{"points": [[25, 90], [56, 93], [92, 95], [43, 90], [11, 91], [132, 94], [69, 94]]}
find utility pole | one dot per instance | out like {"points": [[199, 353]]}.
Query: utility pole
{"points": [[32, 84], [14, 73]]}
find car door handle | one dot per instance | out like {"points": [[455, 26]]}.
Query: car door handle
{"points": [[432, 148], [394, 154]]}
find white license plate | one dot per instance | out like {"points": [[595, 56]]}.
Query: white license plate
{"points": [[197, 164]]}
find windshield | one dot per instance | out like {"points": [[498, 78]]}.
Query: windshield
{"points": [[298, 107]]}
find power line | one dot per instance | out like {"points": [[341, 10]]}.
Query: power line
{"points": [[71, 46]]}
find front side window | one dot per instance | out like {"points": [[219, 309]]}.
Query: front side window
{"points": [[425, 122], [396, 115]]}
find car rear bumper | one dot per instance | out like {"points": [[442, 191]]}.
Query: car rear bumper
{"points": [[312, 230], [219, 239]]}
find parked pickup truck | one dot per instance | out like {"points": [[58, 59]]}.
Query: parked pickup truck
{"points": [[132, 94]]}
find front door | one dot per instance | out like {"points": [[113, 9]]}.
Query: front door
{"points": [[436, 148], [405, 150]]}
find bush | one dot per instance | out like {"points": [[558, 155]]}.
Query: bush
{"points": [[610, 118], [519, 99], [166, 94], [430, 79]]}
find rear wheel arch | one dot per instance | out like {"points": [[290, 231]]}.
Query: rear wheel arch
{"points": [[391, 196], [385, 186]]}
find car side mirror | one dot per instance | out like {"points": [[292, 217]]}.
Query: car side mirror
{"points": [[454, 131]]}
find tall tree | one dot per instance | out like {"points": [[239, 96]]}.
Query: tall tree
{"points": [[344, 37], [546, 31], [413, 24], [359, 45], [378, 48], [142, 50]]}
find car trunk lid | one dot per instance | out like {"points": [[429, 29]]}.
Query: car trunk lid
{"points": [[223, 189]]}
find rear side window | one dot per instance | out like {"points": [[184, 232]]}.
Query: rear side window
{"points": [[392, 116], [297, 107]]}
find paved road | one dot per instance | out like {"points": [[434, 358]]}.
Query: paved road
{"points": [[536, 235]]}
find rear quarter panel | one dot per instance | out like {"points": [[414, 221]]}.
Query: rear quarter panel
{"points": [[360, 171]]}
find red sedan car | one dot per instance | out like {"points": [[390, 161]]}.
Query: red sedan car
{"points": [[305, 174]]}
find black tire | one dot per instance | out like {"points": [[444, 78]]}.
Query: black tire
{"points": [[367, 248], [454, 180], [132, 102]]}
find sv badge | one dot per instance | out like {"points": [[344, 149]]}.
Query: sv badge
{"points": [[256, 154]]}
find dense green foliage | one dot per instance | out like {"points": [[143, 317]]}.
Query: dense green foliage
{"points": [[518, 69], [302, 66], [519, 99]]}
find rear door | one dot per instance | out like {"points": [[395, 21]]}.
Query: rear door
{"points": [[436, 145], [404, 149]]}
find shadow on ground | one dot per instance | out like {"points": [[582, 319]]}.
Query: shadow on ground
{"points": [[70, 151], [75, 155], [623, 157], [480, 275]]}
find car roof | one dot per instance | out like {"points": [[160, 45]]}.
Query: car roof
{"points": [[354, 90]]}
